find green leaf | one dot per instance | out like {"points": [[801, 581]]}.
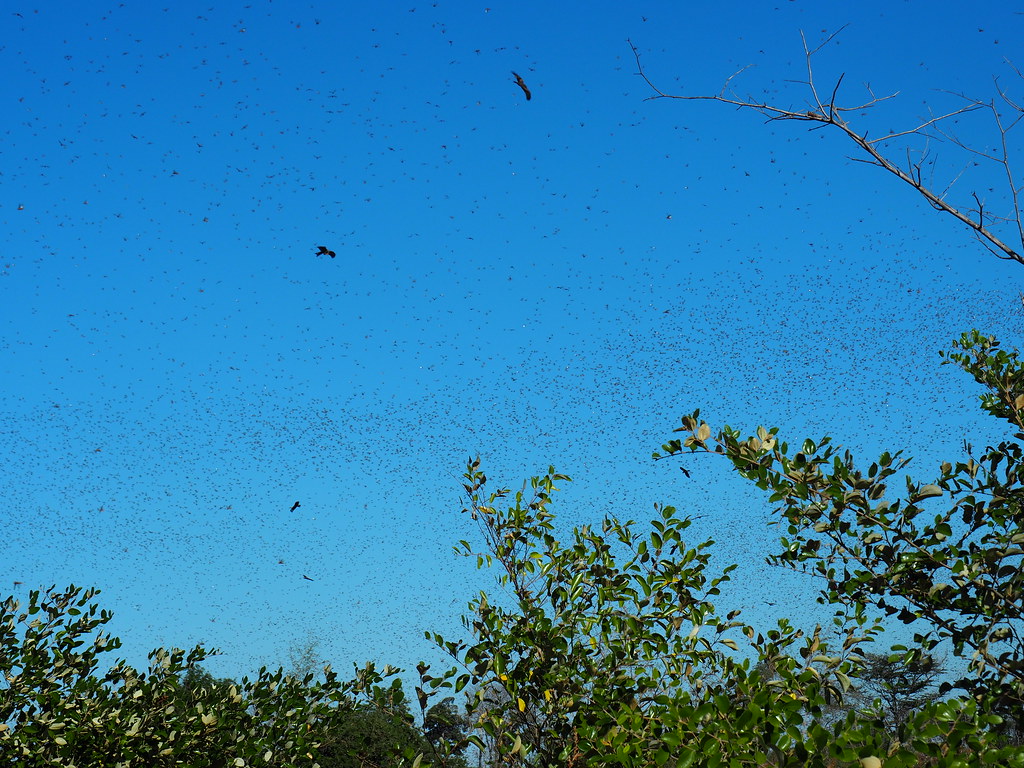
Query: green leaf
{"points": [[926, 492], [686, 757]]}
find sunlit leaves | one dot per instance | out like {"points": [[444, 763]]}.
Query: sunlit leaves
{"points": [[604, 647], [60, 707]]}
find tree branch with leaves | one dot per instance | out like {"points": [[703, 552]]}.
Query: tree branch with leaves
{"points": [[958, 569], [604, 646]]}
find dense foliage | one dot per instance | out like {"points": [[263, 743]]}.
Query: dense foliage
{"points": [[59, 707]]}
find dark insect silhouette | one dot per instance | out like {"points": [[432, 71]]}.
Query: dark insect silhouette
{"points": [[306, 577], [521, 84], [295, 506], [323, 250]]}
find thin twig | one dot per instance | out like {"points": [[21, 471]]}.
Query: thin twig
{"points": [[830, 113]]}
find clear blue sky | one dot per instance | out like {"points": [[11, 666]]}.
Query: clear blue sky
{"points": [[544, 282]]}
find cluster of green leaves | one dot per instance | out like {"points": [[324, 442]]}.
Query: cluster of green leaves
{"points": [[609, 650], [58, 709]]}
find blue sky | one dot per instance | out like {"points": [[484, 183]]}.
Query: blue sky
{"points": [[544, 282]]}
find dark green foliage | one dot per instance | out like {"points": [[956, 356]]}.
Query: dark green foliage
{"points": [[370, 737], [444, 723], [899, 686]]}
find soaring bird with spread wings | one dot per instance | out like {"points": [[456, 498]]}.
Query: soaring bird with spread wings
{"points": [[521, 84]]}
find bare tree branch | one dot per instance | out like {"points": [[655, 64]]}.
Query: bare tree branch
{"points": [[877, 150]]}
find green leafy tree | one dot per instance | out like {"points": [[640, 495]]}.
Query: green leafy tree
{"points": [[894, 686], [59, 707], [956, 570], [608, 650], [371, 736], [513, 721], [197, 684], [444, 724]]}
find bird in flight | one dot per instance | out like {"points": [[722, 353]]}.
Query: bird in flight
{"points": [[521, 84], [295, 506], [323, 250], [306, 577]]}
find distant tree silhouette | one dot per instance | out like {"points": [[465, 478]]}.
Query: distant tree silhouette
{"points": [[901, 687]]}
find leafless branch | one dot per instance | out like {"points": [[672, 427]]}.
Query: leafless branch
{"points": [[824, 112], [922, 127]]}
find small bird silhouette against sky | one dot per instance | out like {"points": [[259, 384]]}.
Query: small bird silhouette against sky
{"points": [[522, 84], [295, 506], [513, 287]]}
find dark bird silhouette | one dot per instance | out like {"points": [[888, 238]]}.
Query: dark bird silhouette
{"points": [[685, 471], [295, 506], [323, 250], [306, 577], [521, 84]]}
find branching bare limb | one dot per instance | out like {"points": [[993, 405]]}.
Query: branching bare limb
{"points": [[827, 112]]}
